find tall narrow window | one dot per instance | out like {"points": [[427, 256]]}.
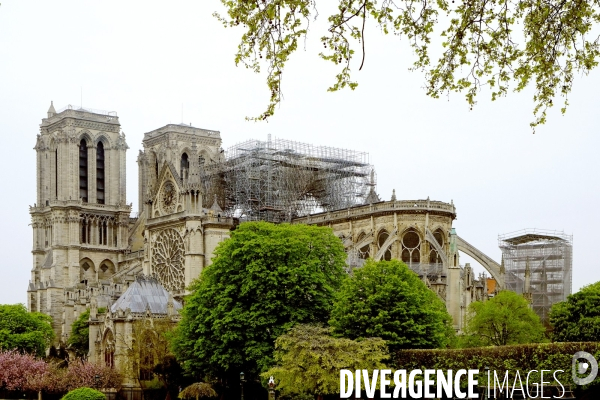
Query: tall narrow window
{"points": [[114, 229], [100, 173], [102, 233], [147, 360], [109, 350], [84, 236], [83, 171], [56, 173], [185, 164]]}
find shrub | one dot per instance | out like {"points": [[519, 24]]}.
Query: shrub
{"points": [[84, 394], [503, 320], [527, 357]]}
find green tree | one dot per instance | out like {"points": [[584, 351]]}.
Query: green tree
{"points": [[494, 43], [24, 331], [264, 279], [578, 318], [386, 299], [80, 331], [309, 360], [148, 348], [502, 320]]}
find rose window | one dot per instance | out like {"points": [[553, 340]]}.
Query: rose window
{"points": [[168, 260]]}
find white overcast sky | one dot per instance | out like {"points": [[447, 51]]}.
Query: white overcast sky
{"points": [[145, 59]]}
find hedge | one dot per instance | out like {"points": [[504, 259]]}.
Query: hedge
{"points": [[84, 394], [524, 358]]}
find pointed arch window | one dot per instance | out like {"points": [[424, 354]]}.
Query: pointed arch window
{"points": [[100, 173], [363, 252], [109, 350], [147, 359], [83, 171], [102, 232], [185, 165], [411, 248], [56, 173], [434, 257]]}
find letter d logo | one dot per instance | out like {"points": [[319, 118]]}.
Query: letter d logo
{"points": [[582, 367]]}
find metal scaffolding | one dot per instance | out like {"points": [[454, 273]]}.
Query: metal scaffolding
{"points": [[277, 180], [548, 255]]}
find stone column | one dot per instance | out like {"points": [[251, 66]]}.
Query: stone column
{"points": [[453, 296]]}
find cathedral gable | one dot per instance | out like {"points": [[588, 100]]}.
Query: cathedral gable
{"points": [[167, 194], [167, 172]]}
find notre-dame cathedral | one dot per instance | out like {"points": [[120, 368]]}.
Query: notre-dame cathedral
{"points": [[88, 248], [86, 243]]}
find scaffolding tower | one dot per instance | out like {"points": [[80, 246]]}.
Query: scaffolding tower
{"points": [[538, 264], [277, 180]]}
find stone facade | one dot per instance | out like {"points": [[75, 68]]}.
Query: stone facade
{"points": [[86, 245], [418, 232], [129, 336], [88, 249]]}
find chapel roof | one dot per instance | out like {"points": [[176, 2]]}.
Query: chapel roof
{"points": [[145, 293]]}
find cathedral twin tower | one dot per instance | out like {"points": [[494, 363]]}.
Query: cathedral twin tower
{"points": [[86, 245]]}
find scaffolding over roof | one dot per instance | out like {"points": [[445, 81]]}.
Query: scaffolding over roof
{"points": [[538, 264], [532, 235], [277, 180]]}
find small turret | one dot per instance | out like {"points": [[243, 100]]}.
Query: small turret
{"points": [[372, 197], [215, 207], [51, 110]]}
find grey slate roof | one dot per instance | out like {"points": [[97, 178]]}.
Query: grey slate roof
{"points": [[145, 293]]}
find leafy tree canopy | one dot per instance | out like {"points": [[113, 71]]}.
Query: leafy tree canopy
{"points": [[494, 43], [578, 318], [502, 320], [386, 299], [264, 279], [309, 360], [24, 331], [80, 332]]}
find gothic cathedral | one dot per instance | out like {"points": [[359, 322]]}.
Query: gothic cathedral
{"points": [[87, 248]]}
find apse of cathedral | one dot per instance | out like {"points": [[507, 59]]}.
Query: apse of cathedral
{"points": [[89, 249]]}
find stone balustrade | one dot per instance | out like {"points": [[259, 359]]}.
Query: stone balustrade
{"points": [[400, 206]]}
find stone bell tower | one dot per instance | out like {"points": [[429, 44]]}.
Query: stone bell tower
{"points": [[80, 218], [181, 228]]}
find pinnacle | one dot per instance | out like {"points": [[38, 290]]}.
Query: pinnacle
{"points": [[51, 110]]}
